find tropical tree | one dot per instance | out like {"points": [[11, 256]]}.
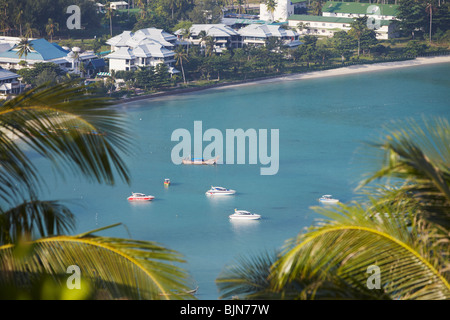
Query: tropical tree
{"points": [[51, 27], [429, 9], [109, 13], [316, 8], [358, 30], [342, 43], [77, 131], [271, 5], [180, 56], [24, 47], [392, 244]]}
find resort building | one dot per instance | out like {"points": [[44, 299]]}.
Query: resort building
{"points": [[142, 36], [119, 5], [9, 83], [43, 51], [224, 36], [283, 10], [327, 26], [258, 34], [143, 48], [357, 9]]}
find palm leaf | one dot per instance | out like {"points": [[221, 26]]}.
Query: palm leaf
{"points": [[116, 268], [43, 218], [69, 125], [419, 156], [354, 239], [247, 278]]}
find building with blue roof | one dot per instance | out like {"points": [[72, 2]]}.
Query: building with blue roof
{"points": [[46, 52]]}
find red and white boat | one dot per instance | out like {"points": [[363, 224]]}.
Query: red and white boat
{"points": [[135, 196]]}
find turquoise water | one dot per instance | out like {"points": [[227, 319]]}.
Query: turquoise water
{"points": [[323, 124]]}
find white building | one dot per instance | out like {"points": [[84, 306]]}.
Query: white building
{"points": [[327, 26], [9, 83], [143, 48], [357, 10], [119, 5], [224, 36], [258, 34], [45, 52], [283, 9]]}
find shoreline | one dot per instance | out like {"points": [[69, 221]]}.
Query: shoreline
{"points": [[342, 71]]}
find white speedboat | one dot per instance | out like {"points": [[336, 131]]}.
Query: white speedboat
{"points": [[198, 161], [219, 191], [244, 215], [136, 196], [327, 198]]}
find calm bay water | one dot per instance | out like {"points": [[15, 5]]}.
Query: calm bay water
{"points": [[323, 124]]}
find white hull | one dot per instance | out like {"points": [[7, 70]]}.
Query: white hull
{"points": [[238, 217], [329, 201], [220, 191], [199, 162], [140, 197], [327, 198], [216, 193], [244, 215]]}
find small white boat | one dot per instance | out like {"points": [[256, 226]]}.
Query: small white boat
{"points": [[219, 191], [244, 215], [327, 198], [136, 196], [197, 161]]}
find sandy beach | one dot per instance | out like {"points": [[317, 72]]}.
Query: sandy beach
{"points": [[383, 66], [356, 69]]}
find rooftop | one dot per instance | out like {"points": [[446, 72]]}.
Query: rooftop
{"points": [[214, 30], [360, 8], [5, 74], [266, 30], [42, 51]]}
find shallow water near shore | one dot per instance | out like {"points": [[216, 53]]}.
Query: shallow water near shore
{"points": [[323, 125]]}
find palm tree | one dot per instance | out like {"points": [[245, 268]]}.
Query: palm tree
{"points": [[18, 20], [51, 27], [186, 32], [271, 5], [30, 32], [210, 45], [181, 56], [317, 8], [202, 35], [429, 9], [24, 47], [109, 14], [400, 229], [58, 123]]}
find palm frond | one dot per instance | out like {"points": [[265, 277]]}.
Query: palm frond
{"points": [[247, 278], [354, 239], [35, 217], [115, 268], [68, 124], [419, 157]]}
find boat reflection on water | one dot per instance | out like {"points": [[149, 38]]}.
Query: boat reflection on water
{"points": [[245, 227]]}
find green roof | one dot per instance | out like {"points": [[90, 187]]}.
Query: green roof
{"points": [[305, 17], [359, 8], [297, 1]]}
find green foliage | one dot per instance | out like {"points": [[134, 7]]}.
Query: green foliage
{"points": [[400, 228], [75, 130], [42, 72], [27, 15]]}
